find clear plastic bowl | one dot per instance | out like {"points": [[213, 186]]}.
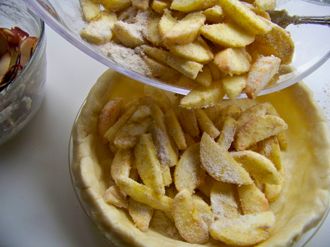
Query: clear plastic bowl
{"points": [[21, 99], [311, 51]]}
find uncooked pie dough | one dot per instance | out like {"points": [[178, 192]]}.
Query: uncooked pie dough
{"points": [[301, 205]]}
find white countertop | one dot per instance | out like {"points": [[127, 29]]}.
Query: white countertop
{"points": [[38, 206]]}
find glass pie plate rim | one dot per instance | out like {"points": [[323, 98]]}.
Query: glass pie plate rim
{"points": [[38, 6], [300, 241]]}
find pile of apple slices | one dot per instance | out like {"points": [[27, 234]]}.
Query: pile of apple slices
{"points": [[16, 49], [195, 174], [214, 47]]}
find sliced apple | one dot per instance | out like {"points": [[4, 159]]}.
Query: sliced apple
{"points": [[223, 200], [189, 122], [206, 124], [245, 17], [203, 97], [233, 61], [158, 54], [164, 225], [116, 5], [227, 35], [161, 71], [115, 197], [109, 115], [252, 199], [140, 4], [214, 14], [121, 121], [159, 6], [184, 31], [166, 23], [258, 129], [190, 225], [227, 133], [190, 6], [146, 195], [277, 42], [90, 9], [258, 166], [186, 67], [265, 4], [273, 191], [203, 210], [151, 32], [99, 30], [4, 46], [175, 130], [246, 230], [204, 78], [4, 65], [148, 164], [234, 85], [165, 151], [128, 135], [270, 148], [27, 47], [261, 73], [250, 113], [197, 51], [121, 165], [188, 173], [141, 214], [127, 34], [220, 165]]}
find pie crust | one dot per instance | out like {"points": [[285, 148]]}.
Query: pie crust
{"points": [[305, 196]]}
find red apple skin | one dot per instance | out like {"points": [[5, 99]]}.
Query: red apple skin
{"points": [[20, 33]]}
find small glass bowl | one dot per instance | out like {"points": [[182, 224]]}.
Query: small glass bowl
{"points": [[22, 98]]}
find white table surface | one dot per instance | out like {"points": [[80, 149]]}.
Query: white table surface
{"points": [[38, 206]]}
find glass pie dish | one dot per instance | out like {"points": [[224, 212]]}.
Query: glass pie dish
{"points": [[304, 207], [65, 18]]}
